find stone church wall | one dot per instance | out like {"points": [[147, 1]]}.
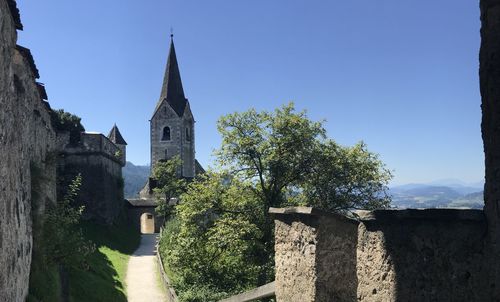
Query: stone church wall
{"points": [[165, 117], [97, 159], [178, 144], [27, 162], [188, 153], [406, 255]]}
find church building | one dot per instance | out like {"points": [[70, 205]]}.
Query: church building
{"points": [[172, 133], [172, 123]]}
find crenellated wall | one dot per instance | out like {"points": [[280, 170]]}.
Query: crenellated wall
{"points": [[27, 156], [391, 255]]}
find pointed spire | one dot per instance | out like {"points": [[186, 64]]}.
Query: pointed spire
{"points": [[172, 90], [116, 137]]}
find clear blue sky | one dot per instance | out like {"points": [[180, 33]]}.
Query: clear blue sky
{"points": [[402, 75]]}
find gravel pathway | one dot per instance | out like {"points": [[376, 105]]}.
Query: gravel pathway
{"points": [[142, 273]]}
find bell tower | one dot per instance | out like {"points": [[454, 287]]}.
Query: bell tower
{"points": [[172, 123]]}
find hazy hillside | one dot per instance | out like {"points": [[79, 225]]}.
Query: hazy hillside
{"points": [[434, 195], [430, 196], [473, 200], [135, 177]]}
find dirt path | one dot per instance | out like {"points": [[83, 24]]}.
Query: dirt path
{"points": [[142, 273]]}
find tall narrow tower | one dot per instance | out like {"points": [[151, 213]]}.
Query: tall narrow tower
{"points": [[172, 123], [116, 137]]}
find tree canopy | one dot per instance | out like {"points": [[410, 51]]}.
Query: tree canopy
{"points": [[169, 184], [290, 161], [221, 239]]}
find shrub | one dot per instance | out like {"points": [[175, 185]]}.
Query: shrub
{"points": [[63, 240], [65, 121]]}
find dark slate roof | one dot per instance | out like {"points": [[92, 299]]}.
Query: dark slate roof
{"points": [[41, 90], [172, 91], [142, 202], [116, 137], [26, 53], [14, 11], [198, 168]]}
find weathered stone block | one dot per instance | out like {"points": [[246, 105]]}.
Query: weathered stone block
{"points": [[406, 255]]}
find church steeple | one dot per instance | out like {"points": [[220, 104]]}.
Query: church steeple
{"points": [[116, 137], [172, 91]]}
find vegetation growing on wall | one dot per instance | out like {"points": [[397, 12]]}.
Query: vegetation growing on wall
{"points": [[60, 246], [82, 262], [65, 121], [221, 240], [62, 235]]}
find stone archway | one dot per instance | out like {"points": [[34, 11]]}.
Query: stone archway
{"points": [[147, 223]]}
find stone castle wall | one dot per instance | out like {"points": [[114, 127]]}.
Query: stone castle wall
{"points": [[407, 255], [91, 143], [100, 162], [27, 161]]}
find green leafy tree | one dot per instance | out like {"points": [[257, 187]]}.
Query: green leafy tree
{"points": [[225, 239], [169, 184], [289, 161], [216, 241], [274, 150], [346, 178]]}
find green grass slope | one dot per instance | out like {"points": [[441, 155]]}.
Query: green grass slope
{"points": [[105, 278]]}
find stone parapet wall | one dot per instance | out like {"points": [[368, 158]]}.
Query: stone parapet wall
{"points": [[422, 255], [27, 157], [91, 144], [391, 255], [314, 250]]}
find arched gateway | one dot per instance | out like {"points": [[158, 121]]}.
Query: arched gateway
{"points": [[147, 223], [141, 213]]}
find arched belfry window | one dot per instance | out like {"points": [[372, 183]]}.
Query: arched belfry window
{"points": [[166, 134], [188, 135]]}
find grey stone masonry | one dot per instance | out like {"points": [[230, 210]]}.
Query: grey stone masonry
{"points": [[178, 143], [27, 157], [386, 255]]}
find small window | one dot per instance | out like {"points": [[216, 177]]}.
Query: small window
{"points": [[166, 154], [188, 135], [149, 216], [166, 134]]}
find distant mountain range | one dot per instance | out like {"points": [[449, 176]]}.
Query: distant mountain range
{"points": [[439, 194], [446, 193], [135, 178]]}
